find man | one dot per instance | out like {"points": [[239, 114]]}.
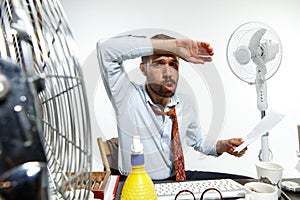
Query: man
{"points": [[142, 109]]}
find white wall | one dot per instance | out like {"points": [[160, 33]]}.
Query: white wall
{"points": [[212, 21]]}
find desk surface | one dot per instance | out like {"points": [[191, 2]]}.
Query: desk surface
{"points": [[293, 196]]}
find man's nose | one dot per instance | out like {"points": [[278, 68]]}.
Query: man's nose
{"points": [[167, 70]]}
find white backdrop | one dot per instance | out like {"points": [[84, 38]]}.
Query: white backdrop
{"points": [[213, 21]]}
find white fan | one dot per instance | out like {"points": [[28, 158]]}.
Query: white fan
{"points": [[254, 54], [37, 50]]}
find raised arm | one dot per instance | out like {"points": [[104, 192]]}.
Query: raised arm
{"points": [[189, 50], [111, 55]]}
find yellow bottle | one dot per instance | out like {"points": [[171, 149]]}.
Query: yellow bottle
{"points": [[138, 184]]}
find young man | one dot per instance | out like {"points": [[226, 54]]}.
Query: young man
{"points": [[142, 109]]}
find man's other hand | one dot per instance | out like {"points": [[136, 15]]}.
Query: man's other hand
{"points": [[229, 146]]}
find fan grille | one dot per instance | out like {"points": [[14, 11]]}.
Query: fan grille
{"points": [[36, 35], [241, 37]]}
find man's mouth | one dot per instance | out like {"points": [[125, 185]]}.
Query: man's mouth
{"points": [[170, 86]]}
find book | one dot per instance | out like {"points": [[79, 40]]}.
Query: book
{"points": [[107, 187], [111, 187], [102, 184]]}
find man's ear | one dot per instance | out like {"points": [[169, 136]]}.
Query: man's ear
{"points": [[143, 69]]}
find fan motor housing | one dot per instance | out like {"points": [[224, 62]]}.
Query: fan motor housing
{"points": [[21, 149]]}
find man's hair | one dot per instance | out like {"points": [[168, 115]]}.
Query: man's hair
{"points": [[162, 37], [158, 37]]}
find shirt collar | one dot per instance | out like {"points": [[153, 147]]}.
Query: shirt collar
{"points": [[174, 99]]}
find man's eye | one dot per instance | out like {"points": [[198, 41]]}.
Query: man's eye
{"points": [[173, 65], [162, 65], [157, 65]]}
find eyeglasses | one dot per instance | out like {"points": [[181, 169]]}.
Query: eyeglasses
{"points": [[202, 195]]}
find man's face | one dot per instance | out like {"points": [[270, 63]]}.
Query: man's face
{"points": [[162, 74]]}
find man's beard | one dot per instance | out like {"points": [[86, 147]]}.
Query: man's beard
{"points": [[160, 89]]}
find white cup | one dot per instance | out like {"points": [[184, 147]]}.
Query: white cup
{"points": [[261, 191], [271, 173]]}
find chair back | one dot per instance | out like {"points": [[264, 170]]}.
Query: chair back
{"points": [[109, 154]]}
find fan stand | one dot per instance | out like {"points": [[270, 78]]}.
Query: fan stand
{"points": [[255, 43], [265, 154]]}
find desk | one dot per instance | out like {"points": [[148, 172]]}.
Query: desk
{"points": [[293, 196]]}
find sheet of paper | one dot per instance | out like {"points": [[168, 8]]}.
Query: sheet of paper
{"points": [[265, 125]]}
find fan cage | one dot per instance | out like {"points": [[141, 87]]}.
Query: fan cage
{"points": [[35, 35], [241, 37]]}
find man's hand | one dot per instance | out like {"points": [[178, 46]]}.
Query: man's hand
{"points": [[229, 146], [189, 50], [194, 51]]}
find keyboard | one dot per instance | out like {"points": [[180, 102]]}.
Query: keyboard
{"points": [[228, 188]]}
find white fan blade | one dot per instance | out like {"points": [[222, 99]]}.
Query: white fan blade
{"points": [[254, 44], [255, 41]]}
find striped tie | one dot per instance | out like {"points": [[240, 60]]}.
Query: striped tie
{"points": [[177, 148]]}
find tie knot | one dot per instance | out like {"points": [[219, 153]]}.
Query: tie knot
{"points": [[172, 112]]}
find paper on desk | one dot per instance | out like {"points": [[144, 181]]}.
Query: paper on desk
{"points": [[264, 126]]}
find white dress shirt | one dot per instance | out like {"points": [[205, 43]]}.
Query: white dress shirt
{"points": [[135, 116]]}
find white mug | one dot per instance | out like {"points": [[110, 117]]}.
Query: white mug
{"points": [[261, 191]]}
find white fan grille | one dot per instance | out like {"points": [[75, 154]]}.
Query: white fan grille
{"points": [[241, 37]]}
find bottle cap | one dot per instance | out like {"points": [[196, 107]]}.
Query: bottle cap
{"points": [[137, 156], [137, 146]]}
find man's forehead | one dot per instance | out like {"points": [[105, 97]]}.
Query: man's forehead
{"points": [[163, 57]]}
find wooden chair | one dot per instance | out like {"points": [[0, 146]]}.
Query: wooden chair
{"points": [[109, 154]]}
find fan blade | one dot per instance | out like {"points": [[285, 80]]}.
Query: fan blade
{"points": [[254, 44], [255, 39]]}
